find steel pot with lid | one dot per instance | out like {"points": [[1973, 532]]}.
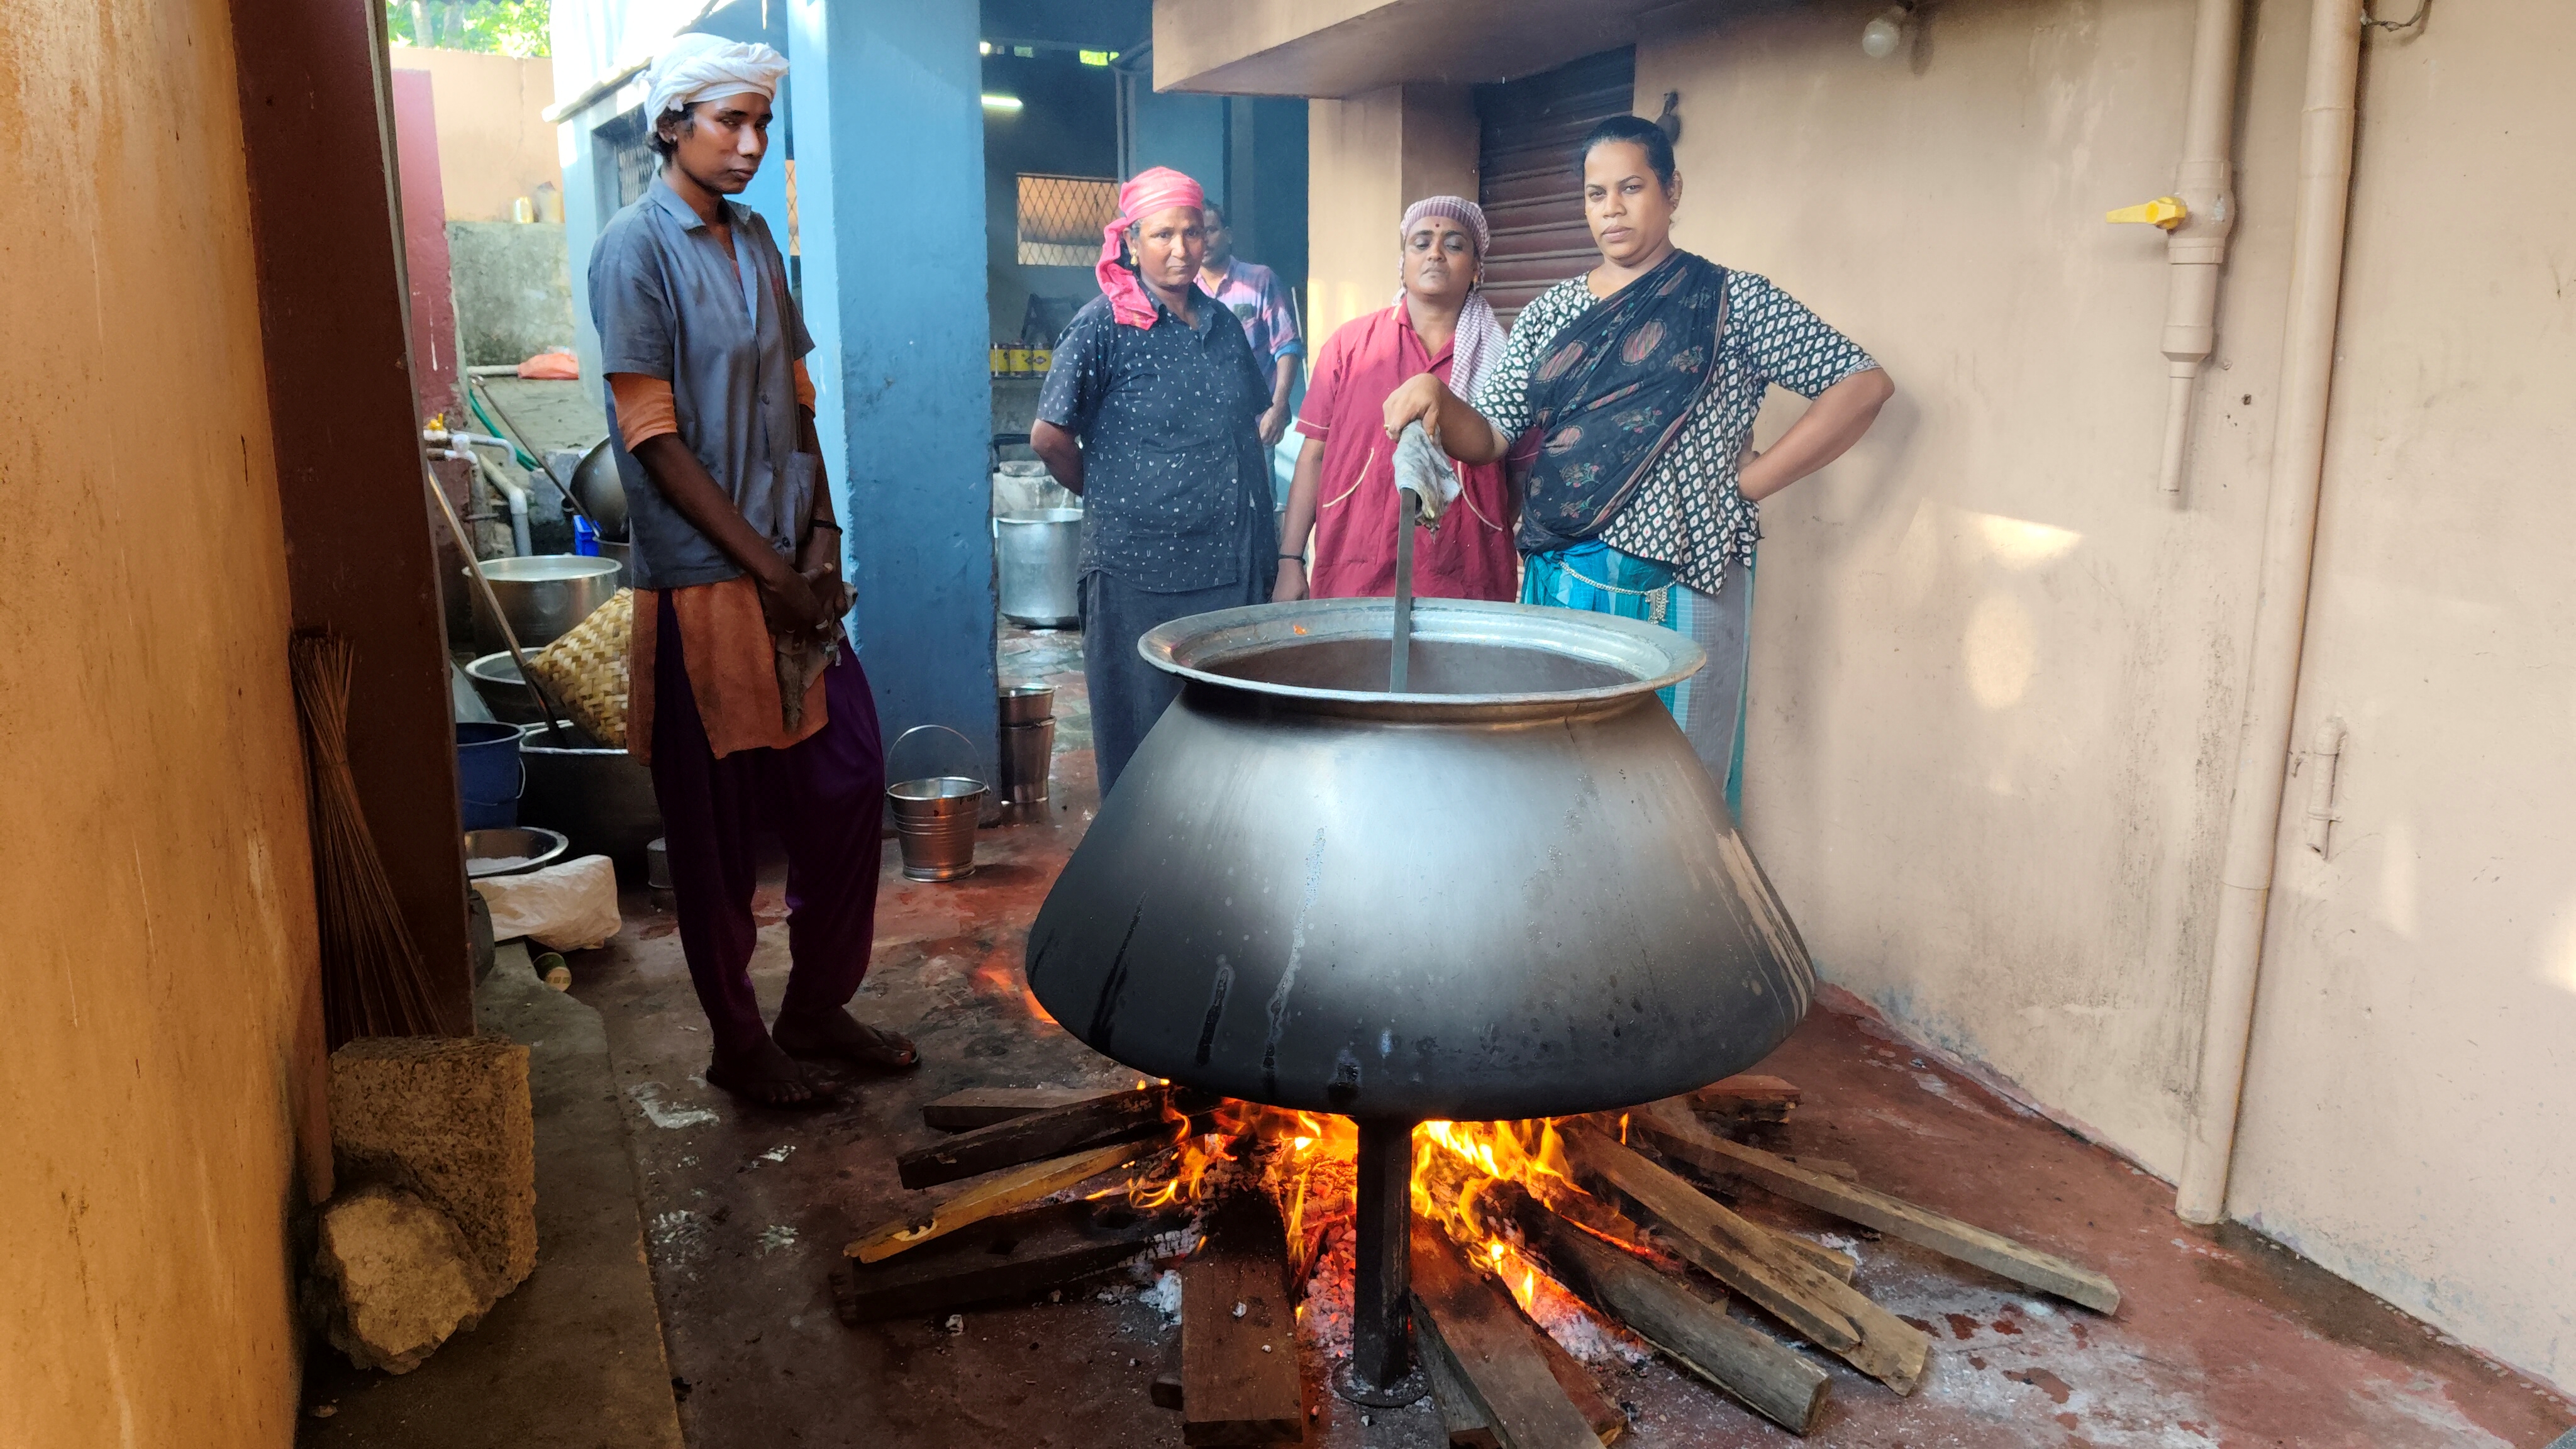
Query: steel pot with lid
{"points": [[1511, 891]]}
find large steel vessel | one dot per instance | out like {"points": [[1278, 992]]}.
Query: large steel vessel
{"points": [[1511, 891]]}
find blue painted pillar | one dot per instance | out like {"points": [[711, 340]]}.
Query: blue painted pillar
{"points": [[885, 100]]}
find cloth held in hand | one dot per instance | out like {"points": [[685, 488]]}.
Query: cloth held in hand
{"points": [[1425, 474]]}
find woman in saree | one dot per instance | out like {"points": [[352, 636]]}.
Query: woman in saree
{"points": [[1639, 382]]}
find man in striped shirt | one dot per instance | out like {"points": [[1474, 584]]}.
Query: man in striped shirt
{"points": [[1267, 311]]}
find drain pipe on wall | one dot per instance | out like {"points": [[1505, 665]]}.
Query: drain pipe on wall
{"points": [[2281, 607], [2198, 219]]}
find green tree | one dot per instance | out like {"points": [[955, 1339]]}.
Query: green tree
{"points": [[504, 27]]}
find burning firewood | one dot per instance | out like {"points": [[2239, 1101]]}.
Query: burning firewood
{"points": [[1493, 1350], [1685, 1326], [1148, 1111], [1240, 1382], [1010, 1257], [1750, 1260], [1746, 1101], [1668, 1129], [989, 1199]]}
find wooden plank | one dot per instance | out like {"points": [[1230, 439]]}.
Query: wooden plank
{"points": [[1669, 1129], [984, 1106], [1779, 1281], [1750, 1365], [1460, 1415], [1094, 1122], [990, 1199], [1239, 1378], [1842, 1266], [1750, 1260], [1747, 1099], [1012, 1257], [1485, 1334]]}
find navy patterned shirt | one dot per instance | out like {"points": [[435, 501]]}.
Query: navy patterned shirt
{"points": [[1173, 471], [1689, 515]]}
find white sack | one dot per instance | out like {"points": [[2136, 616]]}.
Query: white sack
{"points": [[567, 907]]}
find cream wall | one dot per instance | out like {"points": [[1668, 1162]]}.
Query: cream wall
{"points": [[493, 146], [1367, 159], [2410, 1108], [1996, 673], [157, 968], [1997, 678]]}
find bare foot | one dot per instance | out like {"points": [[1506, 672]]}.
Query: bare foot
{"points": [[766, 1076], [839, 1036]]}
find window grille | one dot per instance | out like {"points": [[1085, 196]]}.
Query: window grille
{"points": [[1061, 219]]}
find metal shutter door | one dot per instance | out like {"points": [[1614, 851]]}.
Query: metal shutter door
{"points": [[1527, 184]]}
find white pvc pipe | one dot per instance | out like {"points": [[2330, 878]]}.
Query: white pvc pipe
{"points": [[461, 446], [2196, 249], [2281, 607], [518, 497]]}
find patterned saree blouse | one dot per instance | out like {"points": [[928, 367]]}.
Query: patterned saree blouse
{"points": [[1688, 515]]}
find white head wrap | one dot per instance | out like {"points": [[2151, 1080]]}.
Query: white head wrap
{"points": [[697, 67], [1479, 338]]}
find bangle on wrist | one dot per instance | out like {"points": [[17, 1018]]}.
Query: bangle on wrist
{"points": [[1294, 558]]}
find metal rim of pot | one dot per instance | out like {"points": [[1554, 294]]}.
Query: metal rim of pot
{"points": [[1650, 655]]}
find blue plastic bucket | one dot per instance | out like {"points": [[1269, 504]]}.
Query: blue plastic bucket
{"points": [[489, 774]]}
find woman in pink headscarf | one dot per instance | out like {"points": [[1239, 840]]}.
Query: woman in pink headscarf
{"points": [[1151, 412], [1345, 484]]}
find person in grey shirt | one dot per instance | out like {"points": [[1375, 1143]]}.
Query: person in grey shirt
{"points": [[1151, 413], [743, 695]]}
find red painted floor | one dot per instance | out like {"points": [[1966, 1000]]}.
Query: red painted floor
{"points": [[2221, 1338]]}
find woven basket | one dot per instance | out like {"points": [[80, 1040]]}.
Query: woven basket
{"points": [[585, 670]]}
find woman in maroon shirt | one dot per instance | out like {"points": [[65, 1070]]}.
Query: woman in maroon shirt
{"points": [[1345, 485]]}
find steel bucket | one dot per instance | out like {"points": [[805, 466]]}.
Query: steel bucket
{"points": [[1027, 750], [542, 595], [934, 816], [1025, 702], [1041, 566], [1510, 892]]}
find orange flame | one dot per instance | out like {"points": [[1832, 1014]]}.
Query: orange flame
{"points": [[1456, 1165], [997, 977]]}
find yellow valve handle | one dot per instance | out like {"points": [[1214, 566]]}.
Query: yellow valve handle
{"points": [[2164, 211]]}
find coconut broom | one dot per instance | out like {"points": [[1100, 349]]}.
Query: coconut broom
{"points": [[374, 982]]}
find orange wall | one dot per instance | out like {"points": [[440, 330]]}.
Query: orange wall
{"points": [[493, 146], [157, 965]]}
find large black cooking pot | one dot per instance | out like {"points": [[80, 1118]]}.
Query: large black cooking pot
{"points": [[1510, 892]]}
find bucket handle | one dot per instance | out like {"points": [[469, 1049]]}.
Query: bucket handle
{"points": [[943, 729]]}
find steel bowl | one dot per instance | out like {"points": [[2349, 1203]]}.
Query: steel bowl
{"points": [[600, 491], [498, 684], [512, 851], [542, 595]]}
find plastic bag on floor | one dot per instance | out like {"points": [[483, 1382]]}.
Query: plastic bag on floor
{"points": [[567, 907]]}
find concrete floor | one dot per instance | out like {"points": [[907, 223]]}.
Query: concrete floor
{"points": [[2221, 1339]]}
